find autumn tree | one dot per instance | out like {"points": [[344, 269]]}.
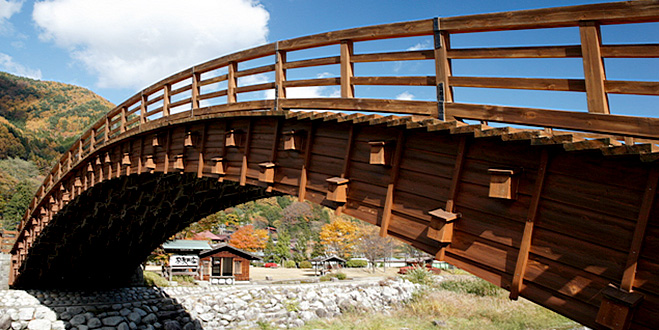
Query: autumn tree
{"points": [[249, 239], [372, 245], [339, 237]]}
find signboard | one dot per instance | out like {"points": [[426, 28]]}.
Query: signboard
{"points": [[184, 261]]}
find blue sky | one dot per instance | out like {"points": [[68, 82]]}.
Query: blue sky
{"points": [[118, 47]]}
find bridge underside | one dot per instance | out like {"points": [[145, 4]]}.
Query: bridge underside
{"points": [[103, 235], [553, 217]]}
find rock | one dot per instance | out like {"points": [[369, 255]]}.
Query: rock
{"points": [[151, 318], [123, 326], [112, 320], [172, 325], [39, 325], [78, 320], [189, 326], [134, 317], [94, 323], [439, 323], [81, 327], [16, 325], [75, 310], [5, 322], [25, 314], [124, 311], [207, 317], [140, 312]]}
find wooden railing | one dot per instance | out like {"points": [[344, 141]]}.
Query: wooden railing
{"points": [[196, 89]]}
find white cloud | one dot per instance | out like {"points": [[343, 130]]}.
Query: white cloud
{"points": [[7, 9], [426, 44], [134, 43], [407, 96], [7, 64]]}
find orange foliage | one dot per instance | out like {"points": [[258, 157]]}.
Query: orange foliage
{"points": [[248, 239]]}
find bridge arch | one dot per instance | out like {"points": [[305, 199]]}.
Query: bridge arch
{"points": [[557, 217]]}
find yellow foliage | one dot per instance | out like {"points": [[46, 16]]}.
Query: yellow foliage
{"points": [[339, 237]]}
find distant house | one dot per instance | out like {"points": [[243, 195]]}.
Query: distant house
{"points": [[7, 239], [187, 247], [212, 238], [184, 259], [225, 264]]}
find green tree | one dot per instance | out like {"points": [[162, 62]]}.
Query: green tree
{"points": [[18, 203], [282, 250]]}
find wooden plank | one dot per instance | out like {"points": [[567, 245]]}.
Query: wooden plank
{"points": [[180, 90], [516, 52], [243, 168], [313, 82], [167, 148], [256, 70], [396, 81], [632, 87], [630, 51], [593, 67], [523, 257], [122, 125], [391, 187], [196, 90], [212, 95], [590, 122], [639, 232], [214, 80], [180, 102], [394, 56], [254, 88], [606, 13], [313, 62], [572, 85], [375, 32], [347, 69], [302, 185], [453, 191], [358, 104], [280, 77], [232, 82], [166, 99]]}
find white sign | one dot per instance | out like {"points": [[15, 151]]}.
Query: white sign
{"points": [[183, 261]]}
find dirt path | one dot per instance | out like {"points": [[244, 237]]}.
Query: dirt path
{"points": [[259, 273]]}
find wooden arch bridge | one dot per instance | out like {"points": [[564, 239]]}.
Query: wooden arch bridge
{"points": [[567, 219]]}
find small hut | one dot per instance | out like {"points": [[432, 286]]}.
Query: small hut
{"points": [[323, 265], [225, 264]]}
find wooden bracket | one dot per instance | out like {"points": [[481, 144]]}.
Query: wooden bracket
{"points": [[381, 152], [219, 166], [179, 163], [337, 189], [441, 225], [157, 141], [150, 163], [617, 307], [190, 139], [294, 140], [503, 183], [234, 138], [267, 174], [125, 161], [90, 168]]}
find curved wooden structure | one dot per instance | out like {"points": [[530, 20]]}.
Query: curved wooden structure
{"points": [[568, 220]]}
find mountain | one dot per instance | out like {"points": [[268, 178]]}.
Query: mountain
{"points": [[39, 120]]}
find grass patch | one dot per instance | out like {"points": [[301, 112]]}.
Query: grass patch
{"points": [[153, 279], [475, 286], [185, 280]]}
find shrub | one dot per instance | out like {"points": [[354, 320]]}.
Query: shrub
{"points": [[153, 279], [340, 276], [419, 275], [289, 264], [258, 263], [477, 287], [184, 279], [305, 264], [356, 263]]}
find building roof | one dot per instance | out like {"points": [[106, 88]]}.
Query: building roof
{"points": [[191, 245], [208, 235], [328, 259], [229, 248]]}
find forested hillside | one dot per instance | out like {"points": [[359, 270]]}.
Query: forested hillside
{"points": [[39, 120]]}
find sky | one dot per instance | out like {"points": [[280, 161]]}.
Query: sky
{"points": [[118, 47]]}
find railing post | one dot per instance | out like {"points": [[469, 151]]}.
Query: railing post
{"points": [[232, 82], [143, 101], [166, 99], [195, 92], [442, 68], [122, 127], [347, 69], [107, 129], [92, 140], [80, 142], [593, 67], [280, 75]]}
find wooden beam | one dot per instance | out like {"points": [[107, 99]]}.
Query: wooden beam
{"points": [[243, 168], [453, 191], [232, 82], [442, 68], [395, 81], [202, 149], [391, 187], [347, 69], [92, 140], [525, 247], [550, 84], [106, 131], [427, 108], [593, 67], [139, 160], [639, 127], [143, 101], [167, 147], [302, 186], [280, 77], [166, 99], [223, 153], [629, 272], [394, 56], [122, 125], [194, 99], [345, 170]]}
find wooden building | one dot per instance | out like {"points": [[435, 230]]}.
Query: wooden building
{"points": [[225, 264]]}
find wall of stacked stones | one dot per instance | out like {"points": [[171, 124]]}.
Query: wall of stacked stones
{"points": [[5, 263], [194, 308]]}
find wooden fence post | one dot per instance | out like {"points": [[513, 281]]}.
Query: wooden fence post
{"points": [[442, 68], [593, 67], [232, 82], [280, 76], [347, 69], [166, 99]]}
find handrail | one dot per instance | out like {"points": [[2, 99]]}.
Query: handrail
{"points": [[194, 89]]}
